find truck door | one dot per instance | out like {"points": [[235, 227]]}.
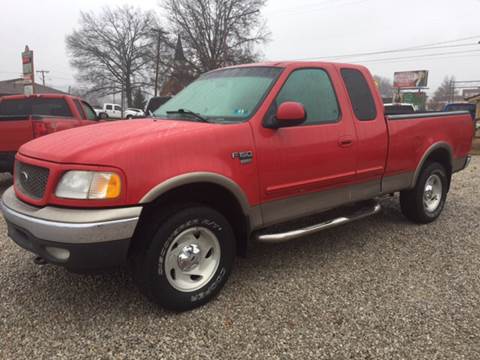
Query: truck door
{"points": [[369, 121], [306, 168], [109, 110], [117, 112]]}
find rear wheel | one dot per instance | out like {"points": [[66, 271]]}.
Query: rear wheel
{"points": [[425, 202], [103, 116], [188, 259]]}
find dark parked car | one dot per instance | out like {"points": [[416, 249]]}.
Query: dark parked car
{"points": [[471, 108], [154, 103]]}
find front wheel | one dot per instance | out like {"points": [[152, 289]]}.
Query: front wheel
{"points": [[187, 260], [425, 202]]}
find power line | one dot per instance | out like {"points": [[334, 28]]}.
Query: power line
{"points": [[309, 8], [430, 59], [420, 56], [411, 48]]}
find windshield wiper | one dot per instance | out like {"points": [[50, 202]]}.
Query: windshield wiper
{"points": [[188, 112]]}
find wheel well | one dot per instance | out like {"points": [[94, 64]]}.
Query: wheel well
{"points": [[208, 194], [442, 156]]}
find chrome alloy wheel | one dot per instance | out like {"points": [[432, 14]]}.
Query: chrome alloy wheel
{"points": [[192, 259], [432, 193]]}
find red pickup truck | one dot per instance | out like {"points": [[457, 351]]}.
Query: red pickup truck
{"points": [[23, 118], [242, 148]]}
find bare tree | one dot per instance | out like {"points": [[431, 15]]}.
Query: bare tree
{"points": [[216, 33], [445, 93], [385, 86], [111, 51]]}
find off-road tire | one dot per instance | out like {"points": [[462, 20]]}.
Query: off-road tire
{"points": [[149, 261]]}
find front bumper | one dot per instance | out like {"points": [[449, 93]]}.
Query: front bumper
{"points": [[79, 239]]}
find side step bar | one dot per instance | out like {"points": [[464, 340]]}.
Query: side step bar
{"points": [[293, 234]]}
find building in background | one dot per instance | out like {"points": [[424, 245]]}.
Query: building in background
{"points": [[16, 87], [475, 100]]}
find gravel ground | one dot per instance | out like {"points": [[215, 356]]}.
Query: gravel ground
{"points": [[381, 288]]}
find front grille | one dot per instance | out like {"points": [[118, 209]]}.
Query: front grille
{"points": [[31, 180]]}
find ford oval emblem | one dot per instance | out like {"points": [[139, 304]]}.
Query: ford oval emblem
{"points": [[24, 176]]}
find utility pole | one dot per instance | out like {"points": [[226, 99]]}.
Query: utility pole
{"points": [[43, 72]]}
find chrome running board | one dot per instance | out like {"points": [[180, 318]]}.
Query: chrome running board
{"points": [[293, 234]]}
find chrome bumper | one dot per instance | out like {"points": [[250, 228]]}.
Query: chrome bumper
{"points": [[70, 226]]}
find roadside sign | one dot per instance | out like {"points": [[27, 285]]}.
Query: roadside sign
{"points": [[28, 72], [410, 79]]}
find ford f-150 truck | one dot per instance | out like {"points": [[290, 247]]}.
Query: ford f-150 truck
{"points": [[241, 149], [23, 118]]}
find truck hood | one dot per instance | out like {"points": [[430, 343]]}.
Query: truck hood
{"points": [[99, 144]]}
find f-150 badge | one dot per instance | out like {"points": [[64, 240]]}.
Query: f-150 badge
{"points": [[245, 157]]}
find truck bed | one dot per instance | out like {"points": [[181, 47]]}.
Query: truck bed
{"points": [[411, 136]]}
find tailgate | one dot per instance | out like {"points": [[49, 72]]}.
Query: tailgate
{"points": [[14, 132]]}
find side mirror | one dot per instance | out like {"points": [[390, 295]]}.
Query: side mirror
{"points": [[289, 113]]}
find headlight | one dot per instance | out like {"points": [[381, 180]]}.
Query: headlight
{"points": [[89, 185]]}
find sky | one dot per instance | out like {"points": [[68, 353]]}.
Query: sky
{"points": [[300, 29]]}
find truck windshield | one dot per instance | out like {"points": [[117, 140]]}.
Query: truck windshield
{"points": [[223, 96]]}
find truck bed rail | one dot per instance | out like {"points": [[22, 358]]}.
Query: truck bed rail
{"points": [[417, 115]]}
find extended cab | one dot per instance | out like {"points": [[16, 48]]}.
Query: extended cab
{"points": [[238, 150], [23, 118]]}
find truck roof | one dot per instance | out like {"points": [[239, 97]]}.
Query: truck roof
{"points": [[295, 63], [42, 96]]}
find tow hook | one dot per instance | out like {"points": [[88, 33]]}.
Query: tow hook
{"points": [[38, 260]]}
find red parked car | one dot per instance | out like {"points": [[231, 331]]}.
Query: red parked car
{"points": [[23, 118], [238, 150]]}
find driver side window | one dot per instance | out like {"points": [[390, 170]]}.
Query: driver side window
{"points": [[313, 89], [89, 112]]}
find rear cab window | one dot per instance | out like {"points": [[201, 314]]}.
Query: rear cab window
{"points": [[35, 106], [360, 94]]}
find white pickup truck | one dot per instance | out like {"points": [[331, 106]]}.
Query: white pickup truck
{"points": [[112, 111]]}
